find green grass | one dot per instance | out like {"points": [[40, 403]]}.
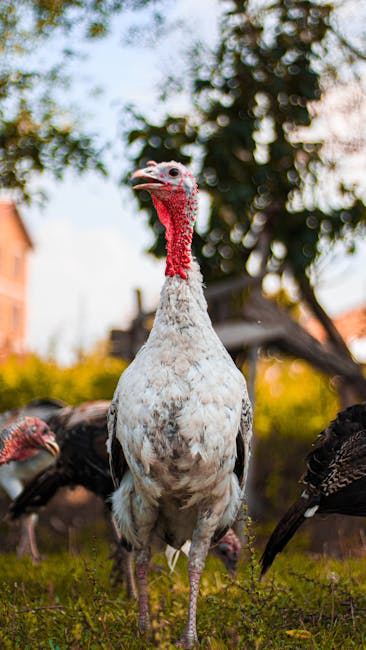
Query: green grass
{"points": [[68, 603]]}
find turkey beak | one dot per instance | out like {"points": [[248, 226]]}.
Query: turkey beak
{"points": [[146, 175], [51, 446]]}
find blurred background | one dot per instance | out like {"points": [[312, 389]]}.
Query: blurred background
{"points": [[265, 101]]}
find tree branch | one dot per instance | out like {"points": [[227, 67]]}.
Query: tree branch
{"points": [[333, 334], [346, 44]]}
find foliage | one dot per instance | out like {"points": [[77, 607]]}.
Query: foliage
{"points": [[90, 17], [292, 399], [67, 603], [248, 134], [39, 130], [22, 380], [294, 403]]}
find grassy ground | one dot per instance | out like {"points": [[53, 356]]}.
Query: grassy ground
{"points": [[68, 603]]}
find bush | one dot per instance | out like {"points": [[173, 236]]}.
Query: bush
{"points": [[293, 404], [23, 379]]}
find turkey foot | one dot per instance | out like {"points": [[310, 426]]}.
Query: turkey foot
{"points": [[187, 640]]}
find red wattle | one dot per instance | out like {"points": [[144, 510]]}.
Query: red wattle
{"points": [[176, 215]]}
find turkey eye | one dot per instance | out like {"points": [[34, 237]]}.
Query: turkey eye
{"points": [[173, 171], [33, 428]]}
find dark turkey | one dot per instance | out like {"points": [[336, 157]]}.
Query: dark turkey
{"points": [[335, 480], [15, 475], [81, 433]]}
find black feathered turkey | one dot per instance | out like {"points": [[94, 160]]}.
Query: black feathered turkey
{"points": [[15, 475], [335, 480]]}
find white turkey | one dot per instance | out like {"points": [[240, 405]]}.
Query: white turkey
{"points": [[81, 433], [180, 422]]}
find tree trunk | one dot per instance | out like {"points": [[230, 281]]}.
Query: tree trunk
{"points": [[334, 336]]}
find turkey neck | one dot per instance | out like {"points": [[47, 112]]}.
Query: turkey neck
{"points": [[177, 213], [182, 304]]}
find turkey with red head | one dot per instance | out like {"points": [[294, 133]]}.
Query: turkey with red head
{"points": [[228, 550], [180, 422], [24, 438], [83, 460], [17, 473]]}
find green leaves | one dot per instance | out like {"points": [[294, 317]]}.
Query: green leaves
{"points": [[39, 129], [257, 159], [37, 137]]}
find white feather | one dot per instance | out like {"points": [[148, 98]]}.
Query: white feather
{"points": [[172, 554], [310, 512]]}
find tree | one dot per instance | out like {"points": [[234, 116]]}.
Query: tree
{"points": [[257, 159], [39, 131]]}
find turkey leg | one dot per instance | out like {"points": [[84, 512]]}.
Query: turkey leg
{"points": [[141, 566], [201, 541], [28, 543]]}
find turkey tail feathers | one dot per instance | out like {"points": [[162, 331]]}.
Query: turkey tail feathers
{"points": [[285, 529]]}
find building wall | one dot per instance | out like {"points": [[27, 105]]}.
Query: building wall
{"points": [[14, 248]]}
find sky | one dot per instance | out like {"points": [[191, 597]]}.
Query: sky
{"points": [[90, 238]]}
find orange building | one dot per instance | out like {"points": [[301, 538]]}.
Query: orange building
{"points": [[351, 325], [15, 244]]}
